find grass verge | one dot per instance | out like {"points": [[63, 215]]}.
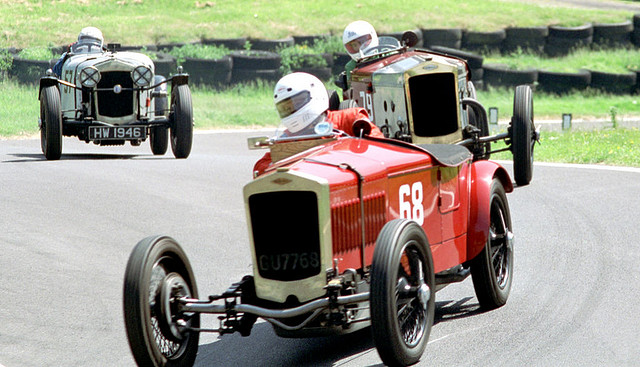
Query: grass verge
{"points": [[163, 21]]}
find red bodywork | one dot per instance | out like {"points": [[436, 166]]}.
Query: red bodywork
{"points": [[401, 181]]}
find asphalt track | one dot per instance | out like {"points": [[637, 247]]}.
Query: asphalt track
{"points": [[68, 228]]}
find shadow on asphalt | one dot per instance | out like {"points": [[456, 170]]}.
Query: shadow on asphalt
{"points": [[264, 348], [81, 156]]}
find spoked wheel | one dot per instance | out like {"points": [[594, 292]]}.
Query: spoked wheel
{"points": [[159, 138], [492, 269], [182, 124], [51, 123], [522, 135], [402, 293], [157, 274]]}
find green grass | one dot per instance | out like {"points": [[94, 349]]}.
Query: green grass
{"points": [[613, 61], [550, 106], [620, 147], [140, 22], [20, 109]]}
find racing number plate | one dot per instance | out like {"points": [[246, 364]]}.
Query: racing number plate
{"points": [[117, 132]]}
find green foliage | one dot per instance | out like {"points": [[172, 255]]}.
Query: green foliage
{"points": [[198, 51], [37, 53], [152, 55], [5, 60], [300, 56], [309, 56]]}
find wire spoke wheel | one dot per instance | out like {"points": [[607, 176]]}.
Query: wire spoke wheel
{"points": [[402, 293], [492, 269], [158, 273]]}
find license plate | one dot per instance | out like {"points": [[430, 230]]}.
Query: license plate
{"points": [[117, 132]]}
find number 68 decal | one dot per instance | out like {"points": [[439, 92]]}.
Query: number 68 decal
{"points": [[411, 202]]}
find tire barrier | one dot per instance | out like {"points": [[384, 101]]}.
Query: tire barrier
{"points": [[313, 64], [309, 40], [483, 41], [612, 34], [560, 83], [262, 62], [531, 39], [29, 71], [272, 45], [613, 83], [445, 37], [340, 60], [562, 40], [165, 64], [208, 72], [474, 60], [635, 36], [498, 75], [250, 66], [230, 43]]}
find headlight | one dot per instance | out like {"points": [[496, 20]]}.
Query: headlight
{"points": [[142, 76], [89, 77]]}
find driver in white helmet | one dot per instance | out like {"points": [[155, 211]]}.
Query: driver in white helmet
{"points": [[302, 102], [357, 37], [89, 40]]}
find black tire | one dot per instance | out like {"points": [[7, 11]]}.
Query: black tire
{"points": [[272, 45], [501, 76], [165, 64], [230, 43], [579, 32], [559, 83], [447, 37], [29, 71], [334, 100], [182, 121], [612, 34], [209, 72], [159, 135], [527, 32], [613, 83], [556, 47], [402, 293], [340, 61], [477, 74], [51, 123], [522, 135], [492, 268], [481, 124], [531, 39], [474, 60], [483, 41], [255, 60], [154, 341]]}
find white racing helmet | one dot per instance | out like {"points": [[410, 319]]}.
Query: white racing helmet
{"points": [[91, 36], [301, 100], [357, 37]]}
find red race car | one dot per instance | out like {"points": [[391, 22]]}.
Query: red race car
{"points": [[382, 225]]}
